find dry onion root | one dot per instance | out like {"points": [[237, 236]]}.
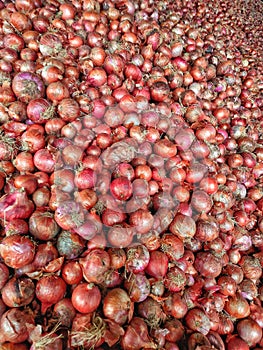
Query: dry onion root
{"points": [[48, 340], [90, 335]]}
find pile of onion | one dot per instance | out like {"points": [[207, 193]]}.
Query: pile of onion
{"points": [[131, 174]]}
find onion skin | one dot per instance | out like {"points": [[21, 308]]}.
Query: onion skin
{"points": [[136, 335]]}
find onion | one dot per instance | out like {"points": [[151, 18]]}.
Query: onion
{"points": [[86, 298], [88, 330], [28, 86], [72, 272], [249, 331], [175, 329], [183, 226], [175, 306], [198, 321], [208, 265], [138, 258], [49, 290], [43, 226], [15, 205], [64, 311], [121, 188], [236, 343], [207, 230], [158, 264], [10, 295], [117, 306], [70, 244], [237, 307], [175, 279], [172, 246], [17, 251], [138, 287], [120, 236], [94, 265]]}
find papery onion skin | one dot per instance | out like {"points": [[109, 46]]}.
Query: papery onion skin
{"points": [[136, 335]]}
